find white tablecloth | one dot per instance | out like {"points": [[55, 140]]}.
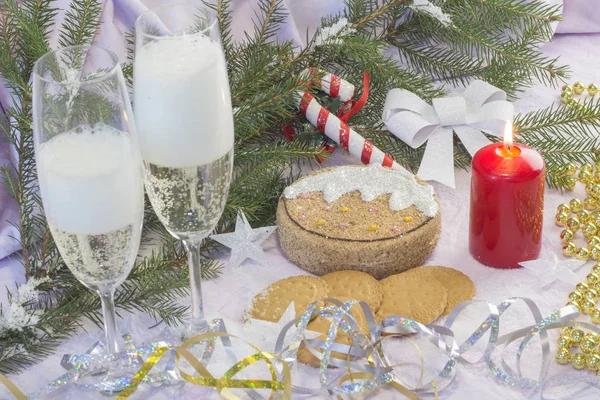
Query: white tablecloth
{"points": [[228, 295]]}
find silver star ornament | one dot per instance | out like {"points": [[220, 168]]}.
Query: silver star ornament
{"points": [[245, 242]]}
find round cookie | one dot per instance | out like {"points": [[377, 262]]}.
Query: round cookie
{"points": [[271, 303], [415, 296], [361, 226], [459, 286], [354, 285]]}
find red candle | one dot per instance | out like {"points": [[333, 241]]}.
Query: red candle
{"points": [[507, 204]]}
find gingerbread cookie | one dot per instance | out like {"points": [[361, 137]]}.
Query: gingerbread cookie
{"points": [[271, 303]]}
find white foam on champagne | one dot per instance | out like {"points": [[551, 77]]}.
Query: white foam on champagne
{"points": [[182, 102], [91, 181]]}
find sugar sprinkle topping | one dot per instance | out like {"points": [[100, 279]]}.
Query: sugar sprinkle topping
{"points": [[371, 181]]}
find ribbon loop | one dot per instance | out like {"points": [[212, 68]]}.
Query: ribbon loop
{"points": [[481, 108], [450, 110], [356, 105]]}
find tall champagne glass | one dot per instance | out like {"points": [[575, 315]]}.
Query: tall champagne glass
{"points": [[89, 168], [183, 110]]}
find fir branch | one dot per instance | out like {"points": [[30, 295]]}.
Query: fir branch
{"points": [[278, 152], [127, 67], [453, 67], [223, 12], [580, 122], [34, 20], [515, 15], [562, 134], [267, 24], [11, 51], [512, 56], [18, 350], [473, 38], [257, 186], [373, 12], [41, 14], [274, 101], [82, 20]]}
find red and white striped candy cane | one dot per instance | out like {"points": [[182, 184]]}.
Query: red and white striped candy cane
{"points": [[331, 126], [335, 86]]}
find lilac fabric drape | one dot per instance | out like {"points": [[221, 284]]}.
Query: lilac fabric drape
{"points": [[304, 15], [580, 16]]}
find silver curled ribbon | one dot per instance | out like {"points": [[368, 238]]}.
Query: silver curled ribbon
{"points": [[367, 364], [481, 108], [368, 346], [95, 360]]}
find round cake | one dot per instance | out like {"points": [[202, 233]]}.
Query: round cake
{"points": [[367, 218]]}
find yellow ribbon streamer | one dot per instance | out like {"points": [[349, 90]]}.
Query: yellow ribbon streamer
{"points": [[12, 388], [226, 381]]}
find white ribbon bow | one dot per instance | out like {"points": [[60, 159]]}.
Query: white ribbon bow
{"points": [[481, 108]]}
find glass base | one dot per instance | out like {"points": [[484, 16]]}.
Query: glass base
{"points": [[106, 375], [196, 327]]}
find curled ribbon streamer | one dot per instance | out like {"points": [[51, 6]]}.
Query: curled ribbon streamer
{"points": [[379, 372], [12, 388], [226, 381], [396, 384], [377, 376], [361, 376], [365, 375], [481, 108]]}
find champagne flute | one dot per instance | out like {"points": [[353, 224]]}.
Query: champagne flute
{"points": [[183, 111], [89, 169]]}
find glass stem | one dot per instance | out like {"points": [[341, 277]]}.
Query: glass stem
{"points": [[198, 324], [107, 298]]}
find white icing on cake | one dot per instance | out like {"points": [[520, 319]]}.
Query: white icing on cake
{"points": [[371, 181]]}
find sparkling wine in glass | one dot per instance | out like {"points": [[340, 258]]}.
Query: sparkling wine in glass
{"points": [[185, 122], [89, 168]]}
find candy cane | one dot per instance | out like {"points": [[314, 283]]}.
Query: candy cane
{"points": [[334, 86], [332, 127]]}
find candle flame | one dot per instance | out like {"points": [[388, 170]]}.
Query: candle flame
{"points": [[508, 136]]}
